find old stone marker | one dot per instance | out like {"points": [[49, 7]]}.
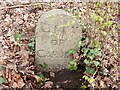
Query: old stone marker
{"points": [[57, 32]]}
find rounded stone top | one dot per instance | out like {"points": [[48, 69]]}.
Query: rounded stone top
{"points": [[54, 12]]}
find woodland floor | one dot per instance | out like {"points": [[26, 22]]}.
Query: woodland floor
{"points": [[17, 55]]}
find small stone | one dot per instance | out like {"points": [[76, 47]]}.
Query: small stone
{"points": [[48, 84], [52, 74]]}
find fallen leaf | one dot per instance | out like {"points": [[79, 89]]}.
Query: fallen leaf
{"points": [[102, 84], [48, 84], [20, 83], [52, 74]]}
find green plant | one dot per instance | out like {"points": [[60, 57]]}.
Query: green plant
{"points": [[89, 79], [90, 56], [44, 66], [73, 65], [71, 51], [42, 76], [83, 87], [31, 45], [18, 37], [2, 80]]}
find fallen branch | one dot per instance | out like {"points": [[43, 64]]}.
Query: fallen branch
{"points": [[22, 6]]}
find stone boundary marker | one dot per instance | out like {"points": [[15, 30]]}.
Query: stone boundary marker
{"points": [[57, 32]]}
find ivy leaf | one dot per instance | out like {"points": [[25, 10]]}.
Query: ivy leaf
{"points": [[90, 70], [95, 51], [91, 80], [44, 66], [91, 56], [42, 76], [71, 51], [18, 37], [32, 45], [86, 61], [85, 51], [83, 87], [2, 80], [81, 44], [73, 65], [96, 63], [82, 38]]}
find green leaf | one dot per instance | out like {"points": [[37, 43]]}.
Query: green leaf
{"points": [[2, 80], [95, 51], [85, 77], [91, 62], [85, 51], [81, 44], [71, 51], [96, 63], [83, 87], [98, 4], [108, 23], [82, 38], [91, 56], [73, 65], [73, 62], [91, 80], [96, 17], [18, 37], [90, 70], [92, 51], [42, 76], [68, 9], [104, 33], [100, 19], [86, 61], [44, 66], [96, 43], [32, 45]]}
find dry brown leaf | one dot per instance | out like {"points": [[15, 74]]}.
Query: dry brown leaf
{"points": [[24, 54], [14, 85], [1, 62], [108, 81], [48, 84], [102, 84], [20, 83]]}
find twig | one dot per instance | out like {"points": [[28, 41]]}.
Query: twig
{"points": [[20, 6]]}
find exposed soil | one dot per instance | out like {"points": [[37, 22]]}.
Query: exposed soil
{"points": [[66, 79]]}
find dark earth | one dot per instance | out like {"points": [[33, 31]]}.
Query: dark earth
{"points": [[66, 79]]}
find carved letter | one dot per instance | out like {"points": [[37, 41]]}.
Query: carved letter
{"points": [[41, 53]]}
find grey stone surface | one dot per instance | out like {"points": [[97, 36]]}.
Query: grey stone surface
{"points": [[57, 32]]}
